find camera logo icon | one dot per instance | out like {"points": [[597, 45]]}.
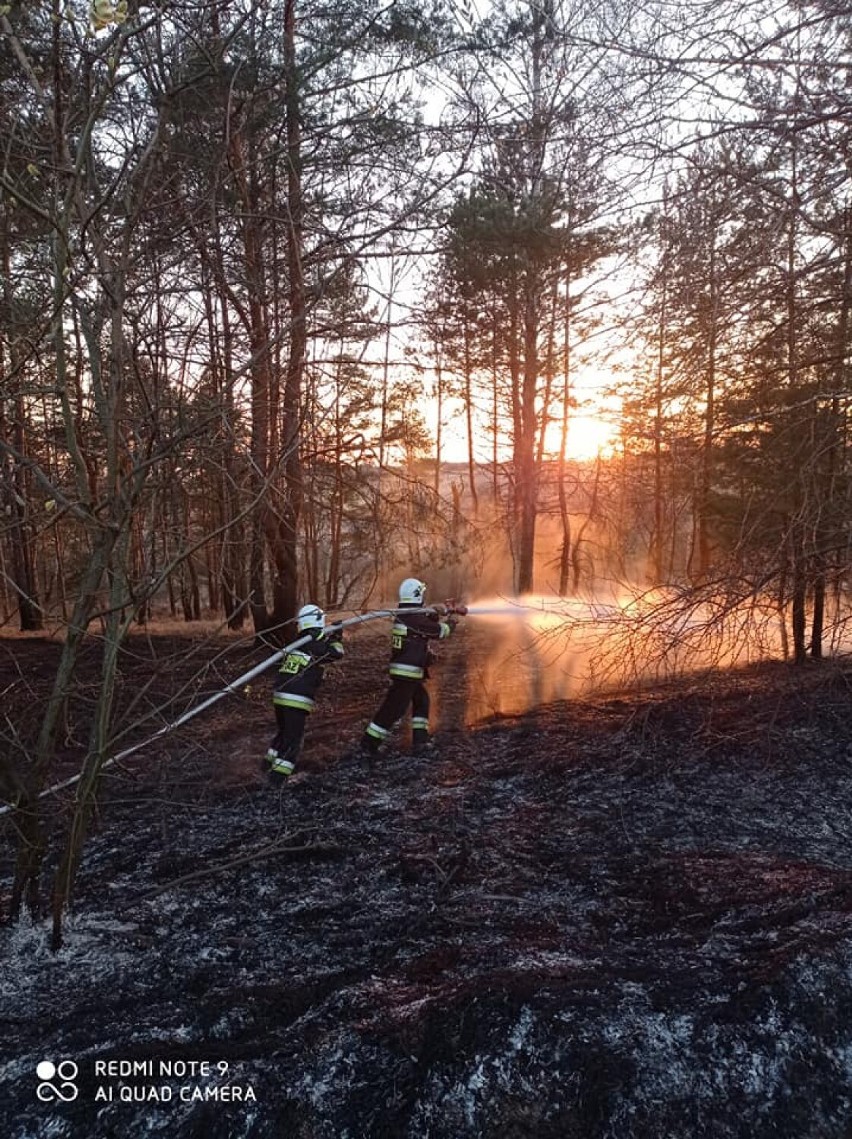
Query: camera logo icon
{"points": [[57, 1081]]}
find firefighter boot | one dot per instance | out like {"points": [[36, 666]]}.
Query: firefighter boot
{"points": [[421, 744], [280, 768]]}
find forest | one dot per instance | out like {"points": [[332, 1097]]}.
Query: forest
{"points": [[261, 263], [533, 299]]}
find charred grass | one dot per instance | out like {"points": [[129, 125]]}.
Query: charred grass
{"points": [[627, 916]]}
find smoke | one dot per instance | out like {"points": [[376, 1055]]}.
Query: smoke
{"points": [[530, 651]]}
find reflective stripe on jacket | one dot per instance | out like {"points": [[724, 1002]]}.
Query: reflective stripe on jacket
{"points": [[410, 637]]}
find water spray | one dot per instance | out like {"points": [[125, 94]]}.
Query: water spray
{"points": [[508, 609], [570, 610]]}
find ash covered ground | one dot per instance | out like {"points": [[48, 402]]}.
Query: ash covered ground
{"points": [[623, 916]]}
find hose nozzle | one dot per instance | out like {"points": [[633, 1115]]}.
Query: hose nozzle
{"points": [[452, 606]]}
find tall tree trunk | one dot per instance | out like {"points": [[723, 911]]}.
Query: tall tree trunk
{"points": [[564, 514], [657, 540], [468, 409], [264, 400], [706, 478], [439, 436], [17, 495], [287, 578], [831, 509], [526, 467], [818, 613], [799, 598], [797, 525]]}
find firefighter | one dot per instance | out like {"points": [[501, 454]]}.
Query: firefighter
{"points": [[299, 678], [411, 653]]}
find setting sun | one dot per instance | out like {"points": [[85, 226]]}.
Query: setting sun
{"points": [[588, 437], [590, 433]]}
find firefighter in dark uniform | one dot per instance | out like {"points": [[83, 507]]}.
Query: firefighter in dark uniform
{"points": [[411, 652], [299, 678]]}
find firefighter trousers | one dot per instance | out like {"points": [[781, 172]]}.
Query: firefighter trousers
{"points": [[291, 731], [403, 692]]}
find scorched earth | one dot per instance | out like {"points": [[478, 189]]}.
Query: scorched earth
{"points": [[627, 916]]}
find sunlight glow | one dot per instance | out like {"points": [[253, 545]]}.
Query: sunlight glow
{"points": [[589, 434], [588, 437]]}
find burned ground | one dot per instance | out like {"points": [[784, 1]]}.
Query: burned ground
{"points": [[624, 916]]}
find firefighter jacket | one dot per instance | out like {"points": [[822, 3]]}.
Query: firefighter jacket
{"points": [[302, 669], [410, 642]]}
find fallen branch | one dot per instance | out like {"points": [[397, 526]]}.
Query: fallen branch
{"points": [[276, 847]]}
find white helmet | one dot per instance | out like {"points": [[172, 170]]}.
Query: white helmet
{"points": [[310, 617], [412, 592]]}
